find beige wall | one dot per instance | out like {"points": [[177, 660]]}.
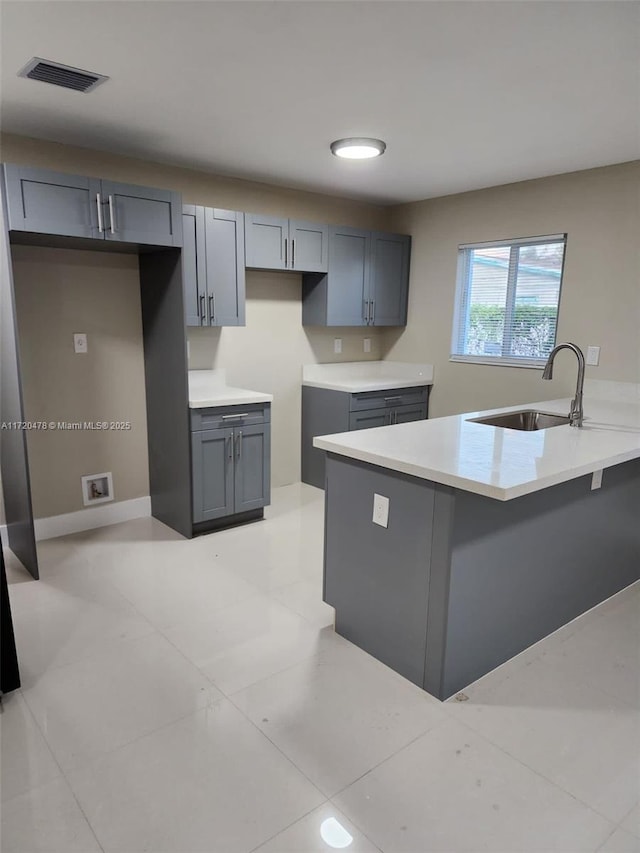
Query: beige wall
{"points": [[600, 304], [60, 292], [266, 355]]}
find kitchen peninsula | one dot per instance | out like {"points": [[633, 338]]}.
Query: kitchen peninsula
{"points": [[494, 539]]}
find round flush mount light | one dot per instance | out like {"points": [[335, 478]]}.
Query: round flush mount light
{"points": [[358, 148]]}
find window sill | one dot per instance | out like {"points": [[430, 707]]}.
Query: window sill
{"points": [[531, 363]]}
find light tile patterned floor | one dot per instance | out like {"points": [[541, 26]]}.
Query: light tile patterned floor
{"points": [[191, 697]]}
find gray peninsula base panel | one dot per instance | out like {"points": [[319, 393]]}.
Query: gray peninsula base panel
{"points": [[459, 583]]}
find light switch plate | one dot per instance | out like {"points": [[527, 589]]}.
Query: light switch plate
{"points": [[80, 343], [596, 479], [381, 510], [593, 356], [337, 345]]}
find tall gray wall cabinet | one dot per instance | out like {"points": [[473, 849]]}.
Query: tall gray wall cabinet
{"points": [[49, 208], [231, 473], [277, 243], [326, 411], [44, 202], [213, 266], [366, 284]]}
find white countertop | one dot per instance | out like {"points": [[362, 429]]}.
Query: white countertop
{"points": [[358, 376], [496, 462], [209, 388]]}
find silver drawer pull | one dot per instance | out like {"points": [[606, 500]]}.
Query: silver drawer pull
{"points": [[389, 399], [242, 415]]}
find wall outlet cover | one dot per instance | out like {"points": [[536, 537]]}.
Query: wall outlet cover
{"points": [[366, 344], [337, 345], [97, 488], [596, 479], [380, 510], [80, 342], [593, 356]]}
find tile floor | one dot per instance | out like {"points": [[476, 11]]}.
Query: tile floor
{"points": [[191, 697]]}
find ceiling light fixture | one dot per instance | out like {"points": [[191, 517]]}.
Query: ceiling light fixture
{"points": [[358, 148]]}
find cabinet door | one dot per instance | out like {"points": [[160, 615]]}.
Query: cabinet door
{"points": [[224, 230], [252, 467], [389, 279], [194, 270], [348, 277], [143, 215], [368, 419], [45, 202], [309, 246], [404, 414], [212, 460], [266, 241]]}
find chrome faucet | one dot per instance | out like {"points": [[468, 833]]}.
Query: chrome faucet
{"points": [[576, 414]]}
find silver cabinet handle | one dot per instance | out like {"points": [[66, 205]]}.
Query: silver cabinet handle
{"points": [[211, 308], [395, 416], [230, 442], [293, 254], [365, 311], [373, 312], [99, 205], [239, 444], [112, 217], [202, 317], [389, 399], [241, 415], [285, 251]]}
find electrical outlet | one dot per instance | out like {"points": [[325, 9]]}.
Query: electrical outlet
{"points": [[593, 356], [80, 343], [366, 344], [337, 345], [381, 510], [596, 479]]}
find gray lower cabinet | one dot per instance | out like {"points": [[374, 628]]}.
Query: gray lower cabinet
{"points": [[366, 284], [325, 411], [213, 266], [231, 461], [278, 243], [44, 202]]}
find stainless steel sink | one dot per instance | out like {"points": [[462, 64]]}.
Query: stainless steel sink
{"points": [[528, 420]]}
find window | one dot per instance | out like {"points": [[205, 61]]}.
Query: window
{"points": [[507, 301]]}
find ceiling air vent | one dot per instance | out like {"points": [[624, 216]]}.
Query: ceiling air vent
{"points": [[61, 75]]}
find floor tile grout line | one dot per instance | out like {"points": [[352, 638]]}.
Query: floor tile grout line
{"points": [[285, 828], [63, 776], [535, 772]]}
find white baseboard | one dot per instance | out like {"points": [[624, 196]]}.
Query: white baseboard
{"points": [[87, 519]]}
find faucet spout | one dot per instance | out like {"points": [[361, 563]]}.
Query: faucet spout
{"points": [[576, 414]]}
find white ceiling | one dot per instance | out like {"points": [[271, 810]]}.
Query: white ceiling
{"points": [[466, 94]]}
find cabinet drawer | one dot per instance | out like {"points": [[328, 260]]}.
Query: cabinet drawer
{"points": [[405, 414], [230, 416], [389, 398], [368, 418]]}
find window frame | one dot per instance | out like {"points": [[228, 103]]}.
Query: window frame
{"points": [[461, 305]]}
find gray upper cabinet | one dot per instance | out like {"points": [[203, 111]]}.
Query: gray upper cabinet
{"points": [[266, 241], [143, 215], [45, 202], [366, 284], [213, 266], [276, 243], [309, 246], [389, 279]]}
